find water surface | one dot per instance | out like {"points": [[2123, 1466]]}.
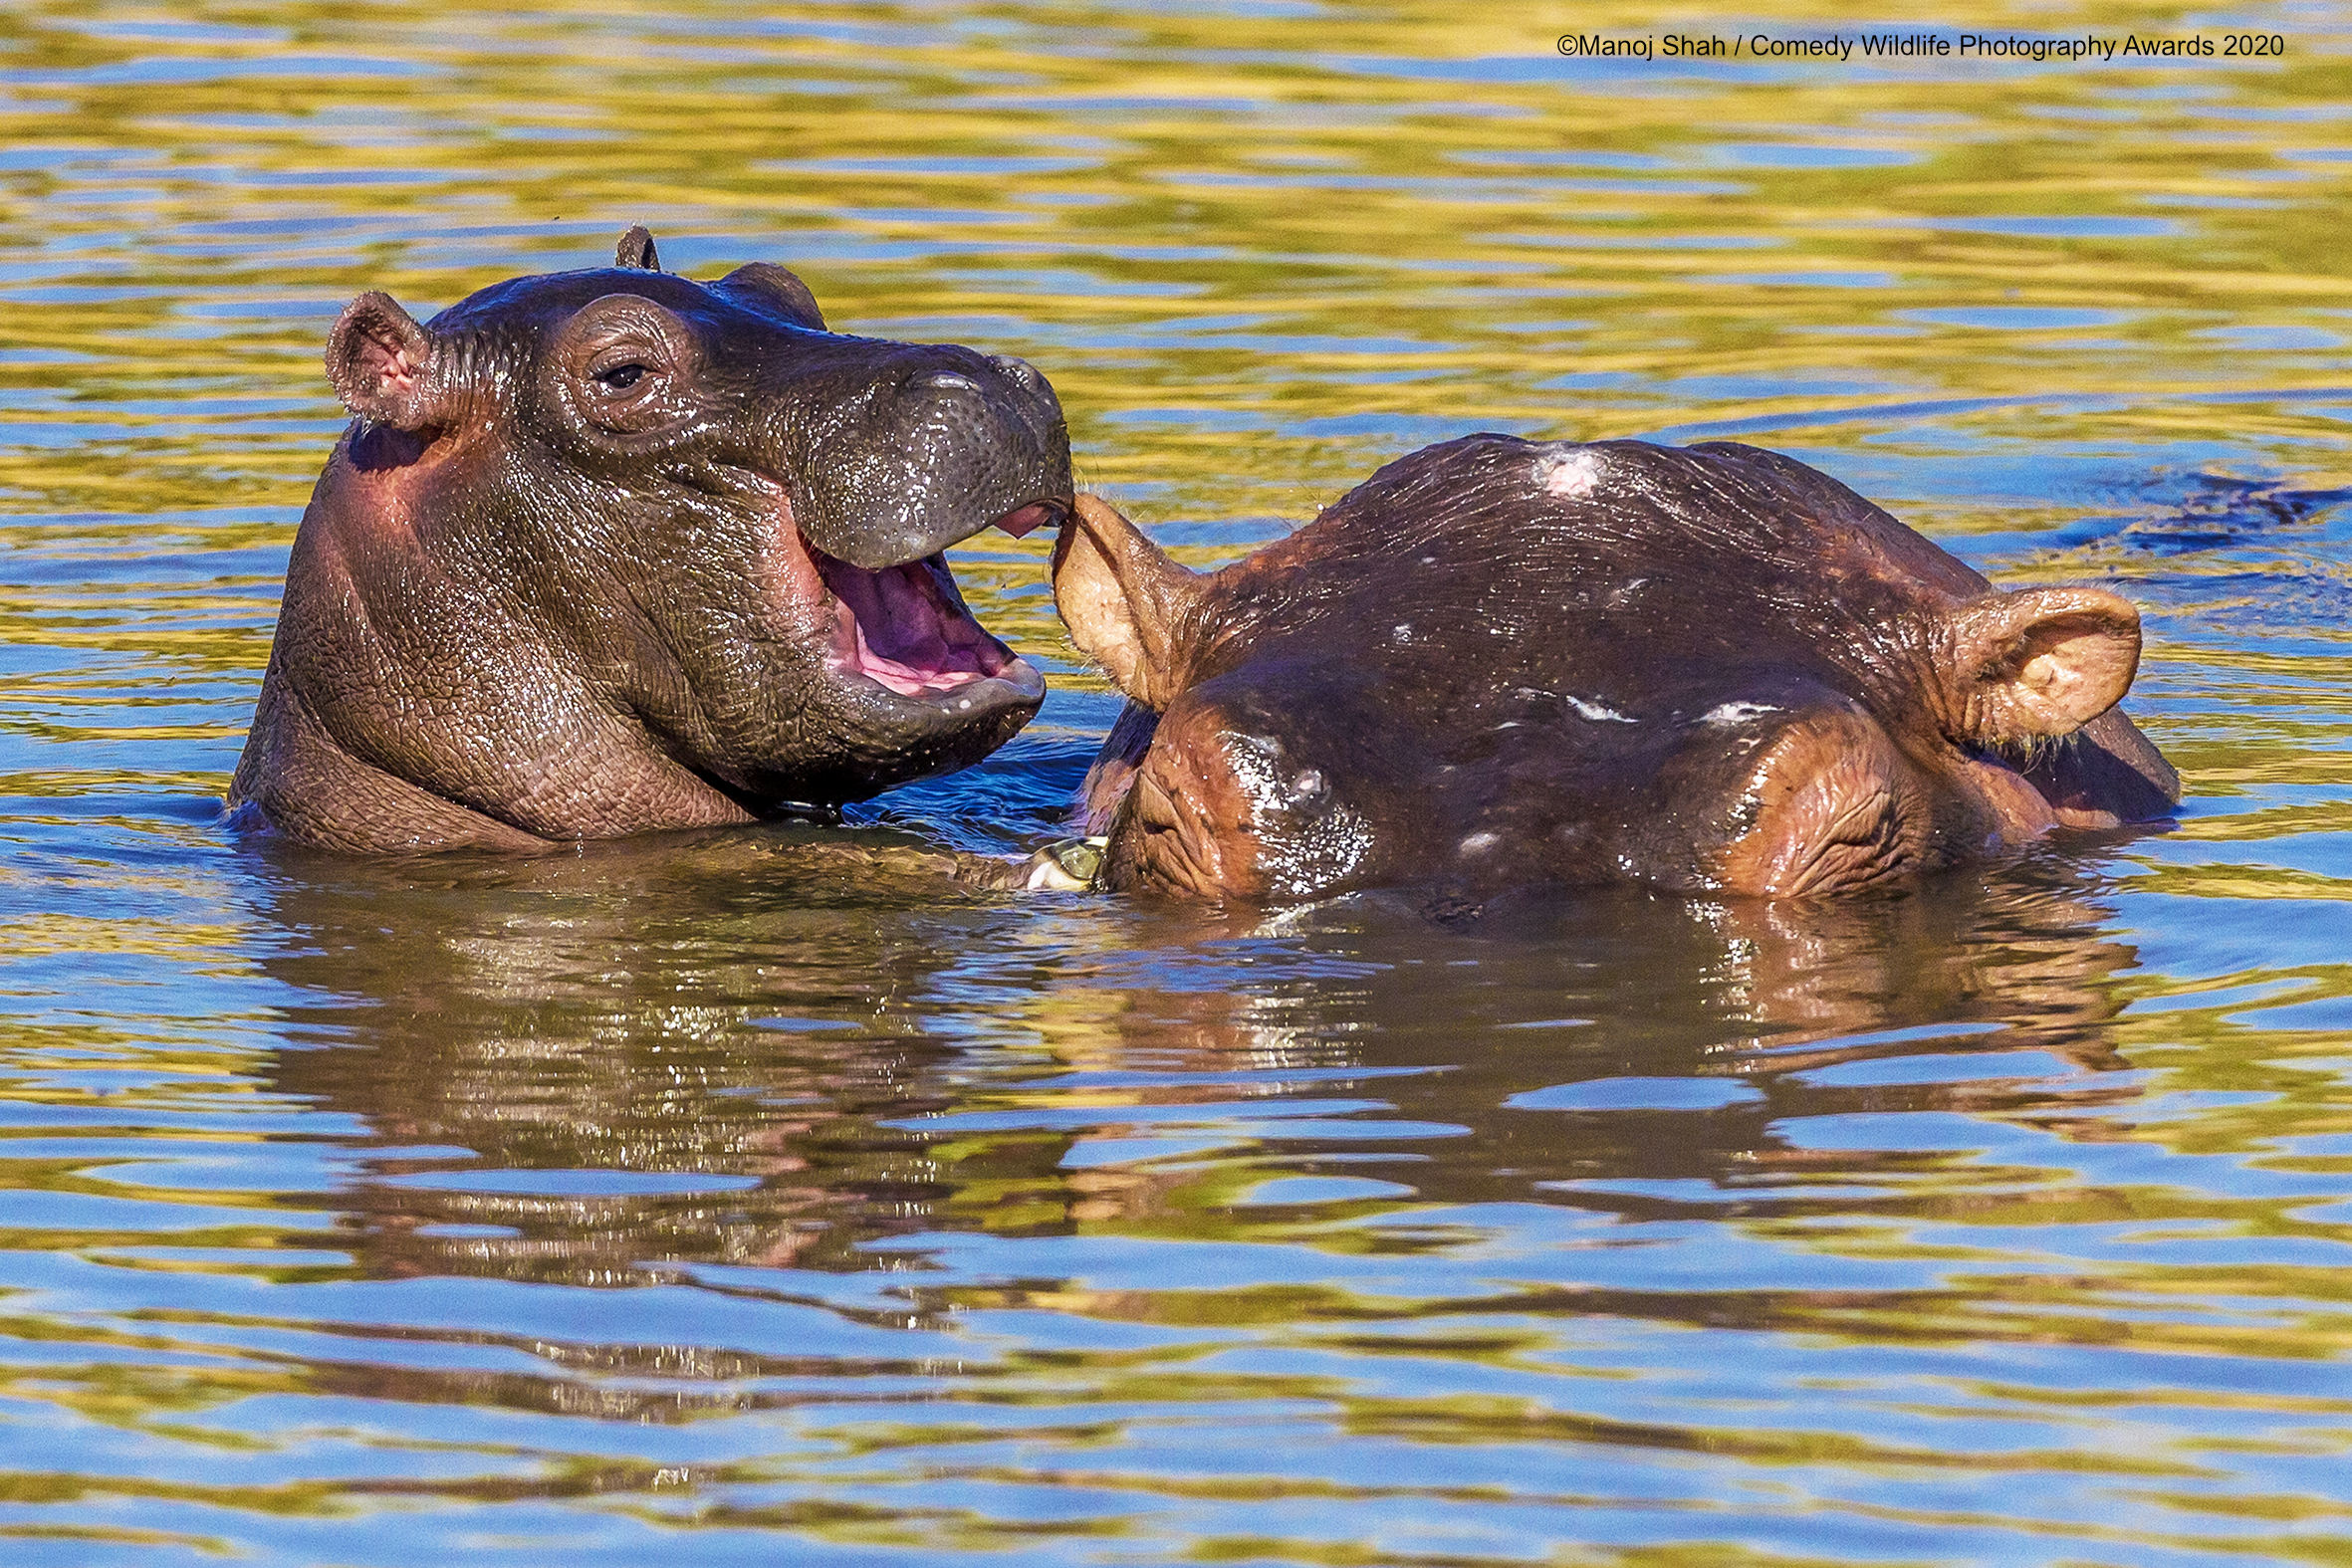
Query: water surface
{"points": [[684, 1200]]}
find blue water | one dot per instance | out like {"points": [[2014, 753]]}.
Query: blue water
{"points": [[686, 1200]]}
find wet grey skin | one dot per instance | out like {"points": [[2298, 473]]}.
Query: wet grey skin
{"points": [[612, 550]]}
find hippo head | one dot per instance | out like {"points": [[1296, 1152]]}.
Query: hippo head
{"points": [[1504, 663], [612, 550]]}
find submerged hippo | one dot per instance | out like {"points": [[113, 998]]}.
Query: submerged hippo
{"points": [[613, 550], [1500, 664]]}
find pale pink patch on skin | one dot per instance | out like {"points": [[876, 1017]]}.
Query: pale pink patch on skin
{"points": [[1570, 476], [398, 374]]}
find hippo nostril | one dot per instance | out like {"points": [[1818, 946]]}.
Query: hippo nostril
{"points": [[951, 382], [1020, 370]]}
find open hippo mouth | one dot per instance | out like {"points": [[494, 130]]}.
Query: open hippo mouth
{"points": [[906, 629]]}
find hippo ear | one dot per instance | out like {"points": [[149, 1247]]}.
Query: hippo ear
{"points": [[382, 363], [777, 288], [635, 250], [2041, 663], [1125, 602]]}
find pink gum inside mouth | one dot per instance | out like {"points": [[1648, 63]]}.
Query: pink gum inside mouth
{"points": [[900, 629]]}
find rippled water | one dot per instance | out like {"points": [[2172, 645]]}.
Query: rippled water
{"points": [[676, 1201]]}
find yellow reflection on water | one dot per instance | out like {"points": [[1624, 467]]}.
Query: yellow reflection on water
{"points": [[686, 1192]]}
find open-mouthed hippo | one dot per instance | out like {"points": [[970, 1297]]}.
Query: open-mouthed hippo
{"points": [[1501, 664], [613, 550]]}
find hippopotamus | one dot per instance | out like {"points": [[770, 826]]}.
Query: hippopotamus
{"points": [[613, 550], [1499, 664]]}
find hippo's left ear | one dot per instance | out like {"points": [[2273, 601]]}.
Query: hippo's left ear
{"points": [[2040, 663], [382, 363], [778, 288]]}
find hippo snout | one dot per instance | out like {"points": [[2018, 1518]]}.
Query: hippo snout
{"points": [[953, 442]]}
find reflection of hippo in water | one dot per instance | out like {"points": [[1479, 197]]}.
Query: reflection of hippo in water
{"points": [[612, 550], [1501, 664], [729, 1008]]}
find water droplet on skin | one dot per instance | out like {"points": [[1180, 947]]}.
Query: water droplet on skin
{"points": [[1735, 713], [1595, 712]]}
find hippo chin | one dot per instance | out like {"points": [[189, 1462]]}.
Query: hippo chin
{"points": [[1501, 664], [613, 550]]}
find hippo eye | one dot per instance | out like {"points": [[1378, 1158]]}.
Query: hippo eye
{"points": [[621, 378]]}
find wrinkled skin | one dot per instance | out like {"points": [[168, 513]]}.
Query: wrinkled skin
{"points": [[1502, 664], [613, 550]]}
